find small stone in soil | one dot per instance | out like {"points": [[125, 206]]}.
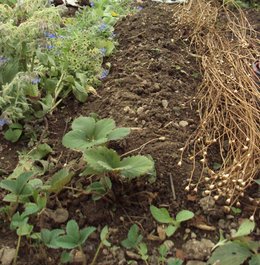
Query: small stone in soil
{"points": [[199, 250], [165, 103], [183, 123]]}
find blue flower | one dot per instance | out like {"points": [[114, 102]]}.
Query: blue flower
{"points": [[49, 35], [139, 8], [36, 80], [91, 4], [104, 74], [3, 122], [49, 47], [103, 26], [113, 35], [3, 60], [103, 51]]}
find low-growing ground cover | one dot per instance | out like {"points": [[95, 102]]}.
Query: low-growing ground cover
{"points": [[150, 89]]}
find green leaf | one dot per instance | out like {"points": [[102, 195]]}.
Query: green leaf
{"points": [[72, 230], [24, 229], [230, 253], [245, 228], [133, 238], [257, 181], [184, 215], [102, 159], [170, 230], [9, 185], [104, 235], [163, 250], [103, 128], [18, 186], [161, 215], [67, 242], [14, 132], [40, 151], [236, 210], [175, 261], [59, 180], [142, 250], [85, 233], [77, 140], [49, 237], [136, 166], [118, 134], [66, 257], [255, 260], [86, 124]]}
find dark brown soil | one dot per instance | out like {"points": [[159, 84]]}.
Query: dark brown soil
{"points": [[151, 68]]}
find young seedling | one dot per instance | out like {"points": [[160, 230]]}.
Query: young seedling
{"points": [[162, 215], [20, 190], [20, 223], [103, 242], [134, 241], [87, 132], [238, 249], [74, 237]]}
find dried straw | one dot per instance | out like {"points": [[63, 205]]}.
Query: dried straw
{"points": [[229, 98]]}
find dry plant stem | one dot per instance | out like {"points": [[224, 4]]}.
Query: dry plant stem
{"points": [[228, 97], [97, 253]]}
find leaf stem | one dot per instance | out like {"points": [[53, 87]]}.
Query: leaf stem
{"points": [[97, 253], [17, 249], [84, 262]]}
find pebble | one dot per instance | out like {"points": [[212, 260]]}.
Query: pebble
{"points": [[183, 123], [187, 230], [140, 110], [229, 217], [199, 250], [193, 235], [207, 203], [132, 255], [169, 244], [165, 103], [233, 225], [232, 232], [7, 255]]}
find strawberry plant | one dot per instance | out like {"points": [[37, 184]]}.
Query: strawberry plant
{"points": [[87, 132], [162, 215]]}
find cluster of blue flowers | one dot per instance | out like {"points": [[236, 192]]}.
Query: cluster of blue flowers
{"points": [[103, 51], [3, 122], [104, 74], [3, 60], [36, 80], [103, 27], [50, 35]]}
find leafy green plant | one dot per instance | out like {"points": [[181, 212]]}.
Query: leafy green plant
{"points": [[19, 189], [134, 241], [238, 249], [101, 160], [20, 224], [87, 132], [72, 238], [162, 215]]}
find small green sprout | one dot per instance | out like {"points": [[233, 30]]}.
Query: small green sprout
{"points": [[134, 241], [73, 238], [162, 215]]}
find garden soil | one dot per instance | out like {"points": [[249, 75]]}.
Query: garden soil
{"points": [[151, 87]]}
